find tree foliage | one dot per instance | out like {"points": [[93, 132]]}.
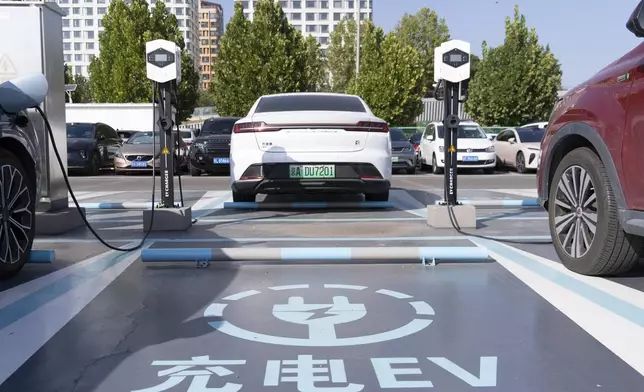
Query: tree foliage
{"points": [[265, 56], [516, 82], [391, 78], [341, 55], [118, 74], [83, 92], [424, 31]]}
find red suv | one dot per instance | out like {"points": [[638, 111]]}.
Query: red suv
{"points": [[591, 168]]}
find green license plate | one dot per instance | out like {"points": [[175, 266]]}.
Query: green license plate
{"points": [[311, 171], [394, 159]]}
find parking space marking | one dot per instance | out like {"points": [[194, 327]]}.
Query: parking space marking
{"points": [[404, 201], [215, 310], [242, 295], [210, 202], [344, 286], [90, 195], [529, 193], [394, 294], [617, 324], [423, 308], [53, 307], [289, 287]]}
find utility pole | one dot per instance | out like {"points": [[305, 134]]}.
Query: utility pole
{"points": [[357, 7]]}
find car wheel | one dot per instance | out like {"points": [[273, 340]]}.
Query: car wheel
{"points": [[584, 224], [488, 171], [94, 165], [520, 163], [243, 197], [411, 170], [382, 196], [435, 168], [18, 193], [194, 171]]}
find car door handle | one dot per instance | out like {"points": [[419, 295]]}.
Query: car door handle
{"points": [[626, 77]]}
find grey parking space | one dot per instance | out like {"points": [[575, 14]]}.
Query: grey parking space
{"points": [[305, 328]]}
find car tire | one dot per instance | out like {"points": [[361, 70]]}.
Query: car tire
{"points": [[11, 168], [411, 170], [243, 197], [519, 163], [489, 171], [612, 251], [194, 171], [435, 168], [94, 165], [381, 196]]}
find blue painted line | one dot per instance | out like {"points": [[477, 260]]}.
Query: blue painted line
{"points": [[331, 253], [499, 203], [42, 256], [116, 206], [32, 302], [607, 301], [453, 252], [316, 220], [306, 205], [186, 254]]}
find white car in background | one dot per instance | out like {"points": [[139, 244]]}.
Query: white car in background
{"points": [[474, 149], [310, 143], [519, 148]]}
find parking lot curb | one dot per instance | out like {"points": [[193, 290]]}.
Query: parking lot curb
{"points": [[499, 203], [308, 205], [42, 256], [432, 253], [116, 206]]}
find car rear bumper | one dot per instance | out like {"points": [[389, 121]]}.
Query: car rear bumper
{"points": [[271, 178], [403, 161]]}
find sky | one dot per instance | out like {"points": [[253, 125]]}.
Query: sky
{"points": [[585, 35]]}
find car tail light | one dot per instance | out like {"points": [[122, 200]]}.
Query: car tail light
{"points": [[367, 126], [416, 147], [253, 127]]}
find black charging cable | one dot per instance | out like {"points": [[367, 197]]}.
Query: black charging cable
{"points": [[71, 191]]}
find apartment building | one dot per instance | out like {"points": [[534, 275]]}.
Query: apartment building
{"points": [[83, 25], [318, 17], [211, 27]]}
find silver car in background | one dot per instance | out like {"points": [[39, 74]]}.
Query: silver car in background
{"points": [[403, 155]]}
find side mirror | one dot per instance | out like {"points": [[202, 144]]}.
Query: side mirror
{"points": [[512, 140], [635, 23]]}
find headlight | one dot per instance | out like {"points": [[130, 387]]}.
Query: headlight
{"points": [[119, 154], [441, 148], [200, 146], [83, 154], [406, 149], [490, 149]]}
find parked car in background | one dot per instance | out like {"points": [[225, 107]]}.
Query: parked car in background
{"points": [[20, 169], [403, 155], [519, 148], [415, 142], [475, 150], [590, 173], [91, 147], [210, 151], [310, 143], [137, 154], [125, 134]]}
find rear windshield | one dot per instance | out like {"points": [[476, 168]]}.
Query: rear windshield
{"points": [[397, 135], [465, 132], [186, 134], [310, 102], [80, 131], [218, 127], [531, 135]]}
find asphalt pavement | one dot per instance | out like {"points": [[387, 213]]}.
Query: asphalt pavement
{"points": [[99, 320]]}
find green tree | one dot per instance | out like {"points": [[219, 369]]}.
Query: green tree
{"points": [[391, 78], [516, 82], [315, 64], [341, 55], [424, 31], [82, 93], [267, 56]]}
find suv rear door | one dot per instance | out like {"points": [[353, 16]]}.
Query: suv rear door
{"points": [[633, 138]]}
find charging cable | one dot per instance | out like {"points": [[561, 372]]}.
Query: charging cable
{"points": [[71, 192]]}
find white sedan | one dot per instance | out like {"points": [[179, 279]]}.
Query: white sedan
{"points": [[310, 143], [519, 148]]}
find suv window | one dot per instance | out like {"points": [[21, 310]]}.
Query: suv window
{"points": [[531, 134], [305, 102], [218, 127], [397, 135], [80, 131], [110, 133]]}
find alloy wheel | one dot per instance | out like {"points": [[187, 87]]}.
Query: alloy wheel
{"points": [[520, 163], [15, 216], [575, 211]]}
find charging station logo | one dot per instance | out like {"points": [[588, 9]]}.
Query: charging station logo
{"points": [[7, 68]]}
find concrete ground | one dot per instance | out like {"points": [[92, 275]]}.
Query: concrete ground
{"points": [[97, 320]]}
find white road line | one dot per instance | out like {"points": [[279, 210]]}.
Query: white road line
{"points": [[402, 200], [532, 193], [210, 202], [23, 338], [624, 338], [91, 195]]}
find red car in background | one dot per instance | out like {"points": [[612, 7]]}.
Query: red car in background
{"points": [[591, 169]]}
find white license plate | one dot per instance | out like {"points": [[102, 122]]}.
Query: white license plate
{"points": [[139, 164], [471, 158], [394, 159], [221, 161], [311, 171]]}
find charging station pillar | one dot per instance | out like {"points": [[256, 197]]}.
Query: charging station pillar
{"points": [[167, 159], [36, 46]]}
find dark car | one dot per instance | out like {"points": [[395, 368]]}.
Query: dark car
{"points": [[403, 156], [415, 140], [91, 147], [210, 150], [590, 169]]}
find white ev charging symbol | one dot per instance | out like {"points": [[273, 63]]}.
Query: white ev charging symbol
{"points": [[321, 324]]}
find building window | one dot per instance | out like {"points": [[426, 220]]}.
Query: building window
{"points": [[89, 22], [323, 16], [297, 4], [324, 28], [77, 46], [178, 11], [67, 46], [296, 16], [337, 4], [324, 40], [101, 10], [89, 34], [89, 46], [76, 11], [324, 5], [89, 11], [78, 69], [363, 16], [66, 34], [205, 59], [76, 23], [245, 4], [68, 58], [77, 34], [337, 16], [310, 17], [363, 4], [65, 22], [78, 57], [311, 4], [311, 28]]}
